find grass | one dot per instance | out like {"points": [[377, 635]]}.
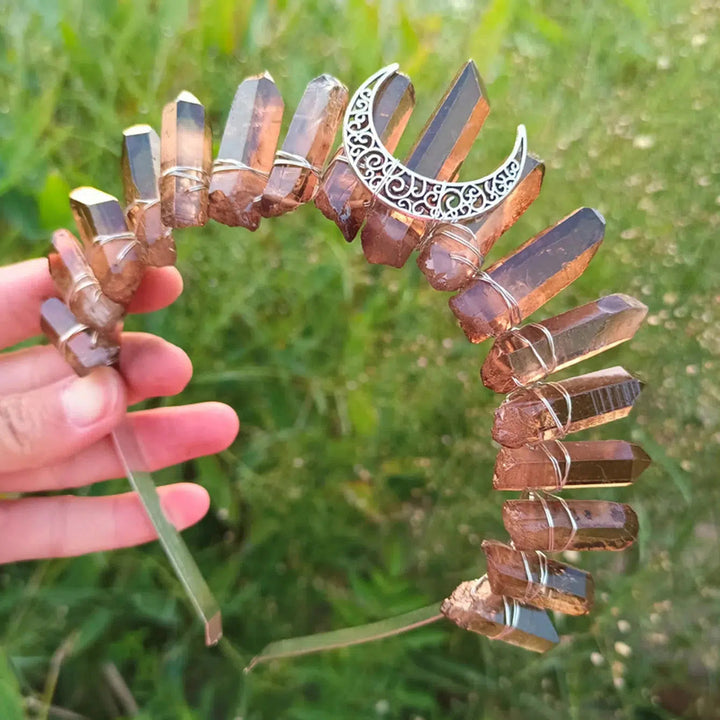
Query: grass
{"points": [[360, 484]]}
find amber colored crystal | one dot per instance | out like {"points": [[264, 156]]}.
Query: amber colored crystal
{"points": [[593, 463], [309, 138], [473, 606], [536, 579], [530, 353], [539, 270], [115, 255], [599, 524], [185, 160], [81, 348], [79, 287], [250, 139], [389, 236], [595, 399], [141, 173], [449, 264], [341, 197]]}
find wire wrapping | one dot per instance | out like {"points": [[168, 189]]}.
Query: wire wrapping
{"points": [[509, 300], [69, 334], [561, 474], [189, 172], [223, 165], [283, 157], [548, 366]]}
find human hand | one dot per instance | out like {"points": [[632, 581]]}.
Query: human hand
{"points": [[54, 427]]}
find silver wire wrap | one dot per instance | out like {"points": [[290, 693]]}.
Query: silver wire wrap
{"points": [[547, 366], [282, 157], [511, 612], [145, 205], [189, 172], [508, 299], [561, 474], [462, 235], [111, 237], [561, 427], [543, 575], [84, 281], [223, 165], [69, 334], [142, 203], [542, 499]]}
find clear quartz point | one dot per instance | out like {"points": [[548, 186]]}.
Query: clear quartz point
{"points": [[141, 174], [308, 142], [116, 256], [185, 162], [473, 606], [247, 151], [533, 578], [529, 277], [547, 412]]}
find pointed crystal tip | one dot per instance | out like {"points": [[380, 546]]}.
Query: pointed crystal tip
{"points": [[140, 129], [90, 196], [188, 97]]}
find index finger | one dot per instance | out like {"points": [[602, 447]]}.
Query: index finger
{"points": [[25, 285]]}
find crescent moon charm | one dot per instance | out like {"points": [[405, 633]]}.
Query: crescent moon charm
{"points": [[398, 187]]}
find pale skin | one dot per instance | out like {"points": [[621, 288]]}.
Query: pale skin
{"points": [[54, 427]]}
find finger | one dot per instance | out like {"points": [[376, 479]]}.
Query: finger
{"points": [[47, 424], [65, 526], [159, 288], [24, 286], [150, 366], [167, 436]]}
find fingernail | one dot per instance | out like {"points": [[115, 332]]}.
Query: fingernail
{"points": [[87, 400]]}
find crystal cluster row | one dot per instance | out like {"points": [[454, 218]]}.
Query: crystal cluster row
{"points": [[171, 181]]}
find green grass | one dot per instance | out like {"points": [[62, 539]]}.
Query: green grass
{"points": [[360, 484]]}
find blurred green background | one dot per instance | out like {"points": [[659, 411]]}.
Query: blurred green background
{"points": [[360, 484]]}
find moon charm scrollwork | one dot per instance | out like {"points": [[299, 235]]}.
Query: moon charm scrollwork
{"points": [[398, 187]]}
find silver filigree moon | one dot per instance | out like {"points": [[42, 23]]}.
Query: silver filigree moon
{"points": [[398, 187]]}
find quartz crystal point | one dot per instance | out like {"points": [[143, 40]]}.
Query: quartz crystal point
{"points": [[531, 353], [115, 255], [595, 399], [342, 198], [79, 287], [593, 463], [185, 160], [81, 348], [294, 177], [473, 606], [533, 578], [449, 264], [389, 236], [539, 270], [141, 174], [599, 524], [246, 154]]}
